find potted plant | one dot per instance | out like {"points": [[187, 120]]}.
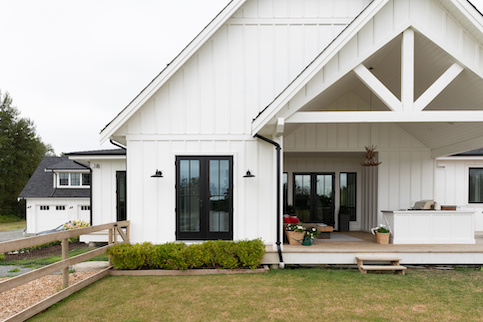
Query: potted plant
{"points": [[381, 234], [310, 236], [295, 233]]}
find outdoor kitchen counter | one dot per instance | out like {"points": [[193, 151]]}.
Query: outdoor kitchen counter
{"points": [[430, 226]]}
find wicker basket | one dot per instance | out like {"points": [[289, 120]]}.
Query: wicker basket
{"points": [[382, 238], [295, 237]]}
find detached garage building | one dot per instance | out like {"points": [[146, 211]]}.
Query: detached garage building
{"points": [[58, 191]]}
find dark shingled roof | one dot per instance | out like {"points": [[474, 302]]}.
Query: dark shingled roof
{"points": [[477, 152], [41, 183], [99, 152]]}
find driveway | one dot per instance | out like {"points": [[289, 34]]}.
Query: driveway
{"points": [[11, 234]]}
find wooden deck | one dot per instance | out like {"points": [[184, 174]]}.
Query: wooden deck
{"points": [[325, 251]]}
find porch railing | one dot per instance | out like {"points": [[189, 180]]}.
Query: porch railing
{"points": [[115, 229]]}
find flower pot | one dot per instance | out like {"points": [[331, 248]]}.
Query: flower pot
{"points": [[295, 237], [382, 238], [308, 241]]}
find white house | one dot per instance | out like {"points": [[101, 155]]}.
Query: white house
{"points": [[57, 192], [291, 92]]}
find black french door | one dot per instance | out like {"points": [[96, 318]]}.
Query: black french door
{"points": [[204, 198], [314, 197]]}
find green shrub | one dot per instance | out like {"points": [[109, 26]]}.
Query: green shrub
{"points": [[169, 256], [126, 256], [179, 256], [250, 252]]}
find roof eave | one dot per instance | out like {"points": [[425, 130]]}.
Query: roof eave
{"points": [[171, 69]]}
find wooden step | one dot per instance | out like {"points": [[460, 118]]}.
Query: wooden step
{"points": [[393, 266]]}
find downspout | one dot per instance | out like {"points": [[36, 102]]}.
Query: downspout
{"points": [[90, 192], [278, 243]]}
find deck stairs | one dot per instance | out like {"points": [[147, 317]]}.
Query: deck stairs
{"points": [[379, 263]]}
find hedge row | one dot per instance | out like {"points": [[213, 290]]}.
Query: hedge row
{"points": [[179, 256]]}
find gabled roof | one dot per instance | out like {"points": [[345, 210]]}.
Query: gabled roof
{"points": [[41, 183], [171, 69], [98, 152], [461, 8]]}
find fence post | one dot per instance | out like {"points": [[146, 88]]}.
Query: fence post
{"points": [[65, 270], [115, 233], [109, 243]]}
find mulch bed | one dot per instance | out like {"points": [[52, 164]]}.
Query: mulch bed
{"points": [[44, 252]]}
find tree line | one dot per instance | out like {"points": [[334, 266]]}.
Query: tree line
{"points": [[21, 151]]}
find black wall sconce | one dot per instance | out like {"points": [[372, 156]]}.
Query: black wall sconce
{"points": [[157, 174], [249, 175]]}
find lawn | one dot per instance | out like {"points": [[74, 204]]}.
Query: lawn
{"points": [[11, 222], [283, 295]]}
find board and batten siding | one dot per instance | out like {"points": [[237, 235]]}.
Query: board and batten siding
{"points": [[247, 63], [104, 207], [407, 169], [452, 186], [152, 202]]}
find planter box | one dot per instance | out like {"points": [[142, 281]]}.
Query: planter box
{"points": [[295, 237], [382, 238]]}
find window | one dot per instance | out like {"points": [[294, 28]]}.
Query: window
{"points": [[85, 208], [63, 179], [59, 207], [476, 185], [75, 179], [44, 207], [86, 179]]}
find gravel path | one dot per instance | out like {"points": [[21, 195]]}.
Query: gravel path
{"points": [[11, 234]]}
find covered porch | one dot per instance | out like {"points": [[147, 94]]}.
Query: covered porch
{"points": [[342, 251]]}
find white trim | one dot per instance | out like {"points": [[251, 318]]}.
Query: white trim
{"points": [[438, 86], [407, 70], [290, 21], [97, 157], [171, 69], [378, 88], [386, 117]]}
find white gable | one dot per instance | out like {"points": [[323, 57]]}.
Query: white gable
{"points": [[238, 71]]}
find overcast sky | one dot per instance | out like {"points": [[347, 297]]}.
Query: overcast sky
{"points": [[72, 65]]}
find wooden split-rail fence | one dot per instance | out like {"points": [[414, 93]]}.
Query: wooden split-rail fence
{"points": [[115, 229]]}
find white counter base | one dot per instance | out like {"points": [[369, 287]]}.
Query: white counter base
{"points": [[430, 226]]}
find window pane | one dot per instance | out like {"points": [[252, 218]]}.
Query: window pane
{"points": [[64, 179], [348, 194], [302, 197], [86, 179], [189, 197], [219, 178], [476, 185], [75, 179], [324, 198]]}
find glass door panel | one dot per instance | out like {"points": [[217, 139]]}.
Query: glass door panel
{"points": [[219, 196], [189, 196], [302, 200], [348, 196], [121, 195], [324, 199]]}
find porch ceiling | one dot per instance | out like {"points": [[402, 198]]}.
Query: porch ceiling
{"points": [[465, 92]]}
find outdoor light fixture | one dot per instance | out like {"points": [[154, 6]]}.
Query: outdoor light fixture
{"points": [[248, 175], [157, 174]]}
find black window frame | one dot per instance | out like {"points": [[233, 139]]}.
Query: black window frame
{"points": [[470, 188]]}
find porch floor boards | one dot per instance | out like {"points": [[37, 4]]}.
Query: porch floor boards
{"points": [[367, 245]]}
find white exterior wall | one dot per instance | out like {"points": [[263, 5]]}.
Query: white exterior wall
{"points": [[452, 186], [39, 220], [208, 105], [103, 187]]}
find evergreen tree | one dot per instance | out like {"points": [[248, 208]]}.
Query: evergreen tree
{"points": [[21, 151]]}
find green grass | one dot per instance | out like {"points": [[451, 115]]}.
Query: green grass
{"points": [[281, 295], [38, 262], [11, 222]]}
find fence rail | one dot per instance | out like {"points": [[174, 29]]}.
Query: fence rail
{"points": [[115, 229]]}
